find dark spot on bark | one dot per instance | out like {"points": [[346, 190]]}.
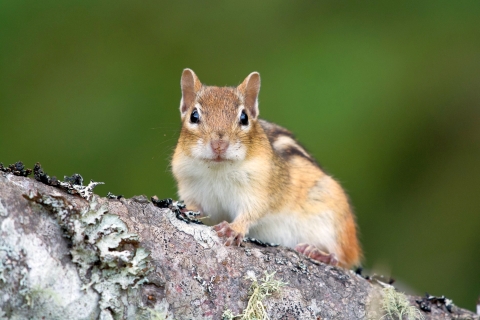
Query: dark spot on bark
{"points": [[74, 179], [114, 197], [17, 169]]}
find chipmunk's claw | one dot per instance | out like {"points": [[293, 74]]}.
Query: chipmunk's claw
{"points": [[232, 237], [316, 254]]}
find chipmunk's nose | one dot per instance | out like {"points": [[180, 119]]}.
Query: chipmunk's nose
{"points": [[219, 146]]}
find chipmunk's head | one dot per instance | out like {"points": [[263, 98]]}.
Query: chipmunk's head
{"points": [[218, 122]]}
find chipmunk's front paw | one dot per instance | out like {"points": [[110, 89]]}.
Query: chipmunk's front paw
{"points": [[314, 253], [224, 230]]}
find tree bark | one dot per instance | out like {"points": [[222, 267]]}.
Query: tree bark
{"points": [[63, 257]]}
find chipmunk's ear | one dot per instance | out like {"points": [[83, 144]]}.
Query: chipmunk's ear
{"points": [[249, 89], [190, 86]]}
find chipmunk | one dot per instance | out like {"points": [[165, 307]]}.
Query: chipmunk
{"points": [[251, 177]]}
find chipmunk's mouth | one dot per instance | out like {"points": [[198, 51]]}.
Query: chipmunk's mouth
{"points": [[219, 159]]}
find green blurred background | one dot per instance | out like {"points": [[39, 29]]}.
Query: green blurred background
{"points": [[386, 95]]}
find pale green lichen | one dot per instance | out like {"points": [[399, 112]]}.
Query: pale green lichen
{"points": [[38, 295], [228, 315], [119, 269], [259, 290], [108, 257], [395, 305], [155, 315], [36, 284]]}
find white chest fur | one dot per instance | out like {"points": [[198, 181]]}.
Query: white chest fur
{"points": [[222, 190]]}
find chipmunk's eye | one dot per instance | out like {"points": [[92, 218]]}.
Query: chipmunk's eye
{"points": [[194, 117], [243, 118]]}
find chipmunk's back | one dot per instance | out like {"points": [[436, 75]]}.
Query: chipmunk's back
{"points": [[284, 143]]}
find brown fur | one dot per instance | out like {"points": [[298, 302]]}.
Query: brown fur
{"points": [[289, 180]]}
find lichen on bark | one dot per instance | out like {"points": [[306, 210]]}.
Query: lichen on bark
{"points": [[62, 257]]}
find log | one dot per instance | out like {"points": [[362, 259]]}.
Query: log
{"points": [[65, 257]]}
